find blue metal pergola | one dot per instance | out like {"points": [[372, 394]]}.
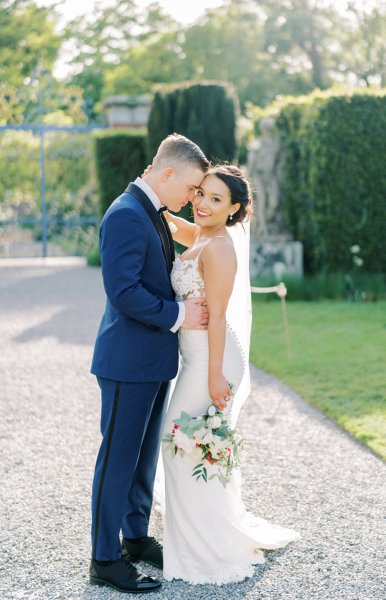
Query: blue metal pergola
{"points": [[41, 129]]}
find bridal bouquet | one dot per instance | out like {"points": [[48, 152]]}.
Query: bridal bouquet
{"points": [[208, 439]]}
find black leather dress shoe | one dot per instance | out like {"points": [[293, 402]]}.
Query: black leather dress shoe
{"points": [[146, 549], [123, 576]]}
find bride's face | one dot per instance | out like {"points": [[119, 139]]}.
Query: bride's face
{"points": [[212, 203]]}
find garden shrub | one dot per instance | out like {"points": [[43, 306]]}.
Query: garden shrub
{"points": [[205, 112], [120, 158], [334, 178]]}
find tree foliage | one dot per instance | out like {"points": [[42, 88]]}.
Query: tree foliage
{"points": [[364, 44], [27, 40], [110, 48], [303, 31], [265, 48]]}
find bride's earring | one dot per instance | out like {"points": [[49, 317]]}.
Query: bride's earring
{"points": [[230, 217]]}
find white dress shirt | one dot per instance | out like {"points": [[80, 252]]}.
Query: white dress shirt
{"points": [[150, 193]]}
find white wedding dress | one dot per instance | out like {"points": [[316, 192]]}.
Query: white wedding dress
{"points": [[208, 535]]}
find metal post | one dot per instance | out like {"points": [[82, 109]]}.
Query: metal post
{"points": [[287, 333], [42, 178], [281, 290]]}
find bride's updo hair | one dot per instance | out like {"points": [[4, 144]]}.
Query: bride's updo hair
{"points": [[239, 188]]}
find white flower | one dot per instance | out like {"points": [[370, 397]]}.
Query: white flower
{"points": [[355, 249], [220, 444], [172, 226], [358, 261], [208, 438], [199, 434], [196, 453], [214, 422], [183, 442], [212, 410]]}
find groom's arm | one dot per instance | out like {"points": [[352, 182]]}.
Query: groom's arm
{"points": [[123, 242]]}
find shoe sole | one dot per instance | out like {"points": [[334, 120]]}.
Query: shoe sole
{"points": [[101, 582]]}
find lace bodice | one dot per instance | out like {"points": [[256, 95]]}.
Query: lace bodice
{"points": [[186, 279]]}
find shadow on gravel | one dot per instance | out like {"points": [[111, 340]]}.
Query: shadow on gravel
{"points": [[179, 590], [73, 297], [70, 326], [51, 286]]}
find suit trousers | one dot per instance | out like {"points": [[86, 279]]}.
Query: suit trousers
{"points": [[131, 424]]}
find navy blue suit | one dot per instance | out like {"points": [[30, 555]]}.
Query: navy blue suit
{"points": [[134, 358]]}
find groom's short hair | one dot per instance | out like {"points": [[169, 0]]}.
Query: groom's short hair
{"points": [[178, 148]]}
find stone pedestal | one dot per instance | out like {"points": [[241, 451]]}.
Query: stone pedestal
{"points": [[275, 257], [127, 111]]}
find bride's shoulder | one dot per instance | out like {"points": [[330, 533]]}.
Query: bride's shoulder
{"points": [[218, 248], [219, 242]]}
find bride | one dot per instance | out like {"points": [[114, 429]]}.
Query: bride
{"points": [[208, 535]]}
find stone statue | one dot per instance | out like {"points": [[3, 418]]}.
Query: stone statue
{"points": [[264, 166], [274, 253]]}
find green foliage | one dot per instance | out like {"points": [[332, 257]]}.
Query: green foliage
{"points": [[27, 39], [205, 112], [92, 254], [371, 287], [262, 47], [77, 241], [227, 44], [364, 46], [70, 182], [152, 61], [334, 183], [305, 31], [122, 49], [19, 162], [99, 43], [246, 136], [120, 158]]}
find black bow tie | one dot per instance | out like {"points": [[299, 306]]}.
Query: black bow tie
{"points": [[161, 210]]}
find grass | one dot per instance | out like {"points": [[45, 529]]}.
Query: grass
{"points": [[338, 360]]}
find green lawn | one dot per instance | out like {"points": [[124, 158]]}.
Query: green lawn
{"points": [[338, 360]]}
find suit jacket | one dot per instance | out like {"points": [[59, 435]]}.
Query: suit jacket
{"points": [[134, 341]]}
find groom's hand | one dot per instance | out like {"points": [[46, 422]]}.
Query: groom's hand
{"points": [[196, 314]]}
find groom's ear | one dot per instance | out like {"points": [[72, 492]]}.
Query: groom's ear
{"points": [[167, 173]]}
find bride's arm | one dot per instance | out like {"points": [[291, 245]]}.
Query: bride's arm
{"points": [[185, 232], [219, 266]]}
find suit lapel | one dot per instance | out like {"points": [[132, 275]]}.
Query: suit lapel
{"points": [[158, 220]]}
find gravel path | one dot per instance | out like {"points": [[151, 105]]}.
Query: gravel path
{"points": [[302, 470]]}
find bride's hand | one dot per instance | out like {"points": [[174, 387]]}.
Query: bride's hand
{"points": [[147, 170], [219, 391]]}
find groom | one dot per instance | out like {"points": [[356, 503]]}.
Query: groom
{"points": [[135, 356]]}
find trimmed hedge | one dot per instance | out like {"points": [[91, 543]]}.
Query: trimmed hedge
{"points": [[334, 185], [120, 158], [205, 112]]}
